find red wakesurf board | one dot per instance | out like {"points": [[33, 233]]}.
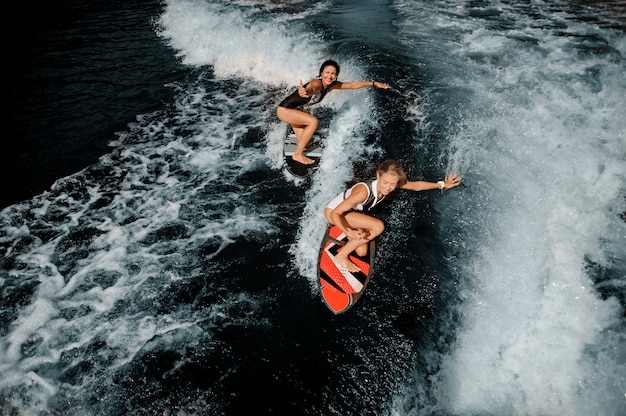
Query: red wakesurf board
{"points": [[340, 290]]}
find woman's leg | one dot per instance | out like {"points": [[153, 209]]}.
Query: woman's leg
{"points": [[370, 228], [304, 126]]}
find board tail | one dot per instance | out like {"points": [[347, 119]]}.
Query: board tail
{"points": [[313, 150]]}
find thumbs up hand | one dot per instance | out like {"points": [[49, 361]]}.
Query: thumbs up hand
{"points": [[302, 91]]}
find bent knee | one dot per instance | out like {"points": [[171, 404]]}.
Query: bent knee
{"points": [[327, 212], [378, 228]]}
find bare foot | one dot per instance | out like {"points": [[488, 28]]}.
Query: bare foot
{"points": [[345, 263], [303, 159]]}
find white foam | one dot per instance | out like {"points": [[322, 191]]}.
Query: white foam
{"points": [[544, 183], [220, 34], [343, 146], [72, 309]]}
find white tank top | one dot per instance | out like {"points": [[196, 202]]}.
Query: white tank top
{"points": [[370, 201]]}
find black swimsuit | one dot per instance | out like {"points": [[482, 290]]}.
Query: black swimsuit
{"points": [[295, 101]]}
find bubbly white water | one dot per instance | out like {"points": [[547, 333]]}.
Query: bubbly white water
{"points": [[529, 103], [241, 49], [541, 145], [180, 186]]}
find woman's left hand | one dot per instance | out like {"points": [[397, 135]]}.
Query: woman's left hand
{"points": [[452, 180], [382, 85]]}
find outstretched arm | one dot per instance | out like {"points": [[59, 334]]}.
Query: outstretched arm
{"points": [[449, 182], [358, 84]]}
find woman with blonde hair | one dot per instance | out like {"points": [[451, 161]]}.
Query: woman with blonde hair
{"points": [[346, 210]]}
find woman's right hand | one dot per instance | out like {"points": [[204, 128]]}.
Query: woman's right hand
{"points": [[302, 91], [358, 234]]}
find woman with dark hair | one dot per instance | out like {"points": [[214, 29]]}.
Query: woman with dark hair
{"points": [[304, 124], [346, 209]]}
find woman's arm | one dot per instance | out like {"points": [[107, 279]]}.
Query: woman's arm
{"points": [[337, 85], [357, 196], [449, 182]]}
